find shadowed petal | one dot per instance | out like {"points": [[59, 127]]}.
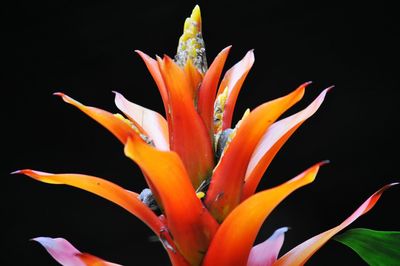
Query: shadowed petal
{"points": [[155, 72], [301, 253], [227, 181], [272, 141], [190, 224], [66, 254], [266, 253], [152, 123], [187, 133], [208, 89], [115, 125], [105, 189], [234, 239], [233, 80]]}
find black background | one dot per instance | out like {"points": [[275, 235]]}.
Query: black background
{"points": [[86, 50]]}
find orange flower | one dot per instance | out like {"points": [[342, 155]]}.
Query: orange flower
{"points": [[201, 170]]}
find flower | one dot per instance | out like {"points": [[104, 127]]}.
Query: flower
{"points": [[202, 171]]}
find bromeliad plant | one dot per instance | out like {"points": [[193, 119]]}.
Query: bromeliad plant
{"points": [[202, 172]]}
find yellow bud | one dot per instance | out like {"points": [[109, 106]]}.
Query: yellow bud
{"points": [[200, 194], [191, 44]]}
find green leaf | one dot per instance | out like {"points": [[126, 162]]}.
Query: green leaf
{"points": [[377, 248]]}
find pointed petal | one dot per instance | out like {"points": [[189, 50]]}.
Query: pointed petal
{"points": [[187, 133], [61, 250], [66, 254], [272, 141], [105, 189], [115, 125], [190, 224], [234, 79], [301, 253], [234, 239], [208, 89], [154, 70], [227, 181], [266, 253], [194, 77], [152, 123]]}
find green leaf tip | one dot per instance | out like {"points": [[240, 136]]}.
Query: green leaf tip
{"points": [[377, 248]]}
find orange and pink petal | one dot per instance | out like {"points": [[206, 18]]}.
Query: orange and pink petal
{"points": [[272, 141], [266, 253], [233, 80], [208, 89], [235, 237], [66, 254], [302, 253], [226, 185], [152, 123]]}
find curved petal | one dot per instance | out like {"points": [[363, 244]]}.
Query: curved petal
{"points": [[155, 72], [115, 125], [61, 250], [187, 133], [227, 181], [152, 123], [208, 88], [266, 253], [105, 189], [272, 141], [233, 80], [301, 253], [234, 239], [190, 224], [66, 254]]}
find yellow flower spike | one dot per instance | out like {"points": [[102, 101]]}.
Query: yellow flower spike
{"points": [[191, 44]]}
